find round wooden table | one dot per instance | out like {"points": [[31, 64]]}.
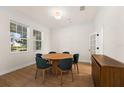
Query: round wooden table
{"points": [[54, 58]]}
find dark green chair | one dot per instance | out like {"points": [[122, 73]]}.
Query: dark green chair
{"points": [[38, 55], [75, 61], [66, 52], [52, 52], [65, 65], [42, 65]]}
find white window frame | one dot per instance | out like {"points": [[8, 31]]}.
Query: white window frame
{"points": [[34, 40], [23, 25]]}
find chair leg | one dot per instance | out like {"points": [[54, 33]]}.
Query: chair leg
{"points": [[72, 75], [43, 76], [74, 66], [50, 62], [61, 79], [56, 72], [36, 74], [46, 73], [77, 68]]}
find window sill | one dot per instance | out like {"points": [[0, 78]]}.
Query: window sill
{"points": [[18, 52]]}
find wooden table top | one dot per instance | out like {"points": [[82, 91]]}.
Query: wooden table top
{"points": [[57, 56]]}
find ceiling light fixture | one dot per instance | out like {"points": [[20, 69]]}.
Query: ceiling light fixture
{"points": [[57, 14]]}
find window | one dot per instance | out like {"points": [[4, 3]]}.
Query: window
{"points": [[37, 35], [18, 34]]}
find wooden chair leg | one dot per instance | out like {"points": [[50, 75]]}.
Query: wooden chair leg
{"points": [[72, 75], [77, 68], [61, 79], [50, 62], [43, 76], [46, 73], [56, 72], [74, 66], [36, 74]]}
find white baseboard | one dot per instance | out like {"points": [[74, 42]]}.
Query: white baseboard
{"points": [[16, 68], [28, 64], [85, 61]]}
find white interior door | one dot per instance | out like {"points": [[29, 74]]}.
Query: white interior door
{"points": [[96, 43], [92, 47]]}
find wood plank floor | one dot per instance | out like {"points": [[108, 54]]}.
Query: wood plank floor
{"points": [[25, 78]]}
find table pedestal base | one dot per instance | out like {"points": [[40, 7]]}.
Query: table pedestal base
{"points": [[55, 63]]}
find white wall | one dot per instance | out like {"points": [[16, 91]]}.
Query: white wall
{"points": [[11, 61], [112, 21], [74, 39]]}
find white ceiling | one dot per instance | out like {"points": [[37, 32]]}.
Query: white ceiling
{"points": [[71, 15]]}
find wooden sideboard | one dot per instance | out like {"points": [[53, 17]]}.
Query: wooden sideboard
{"points": [[107, 72]]}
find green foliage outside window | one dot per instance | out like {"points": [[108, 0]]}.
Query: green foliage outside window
{"points": [[18, 34]]}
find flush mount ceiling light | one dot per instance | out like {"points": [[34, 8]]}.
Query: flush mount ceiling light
{"points": [[82, 8], [57, 14]]}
